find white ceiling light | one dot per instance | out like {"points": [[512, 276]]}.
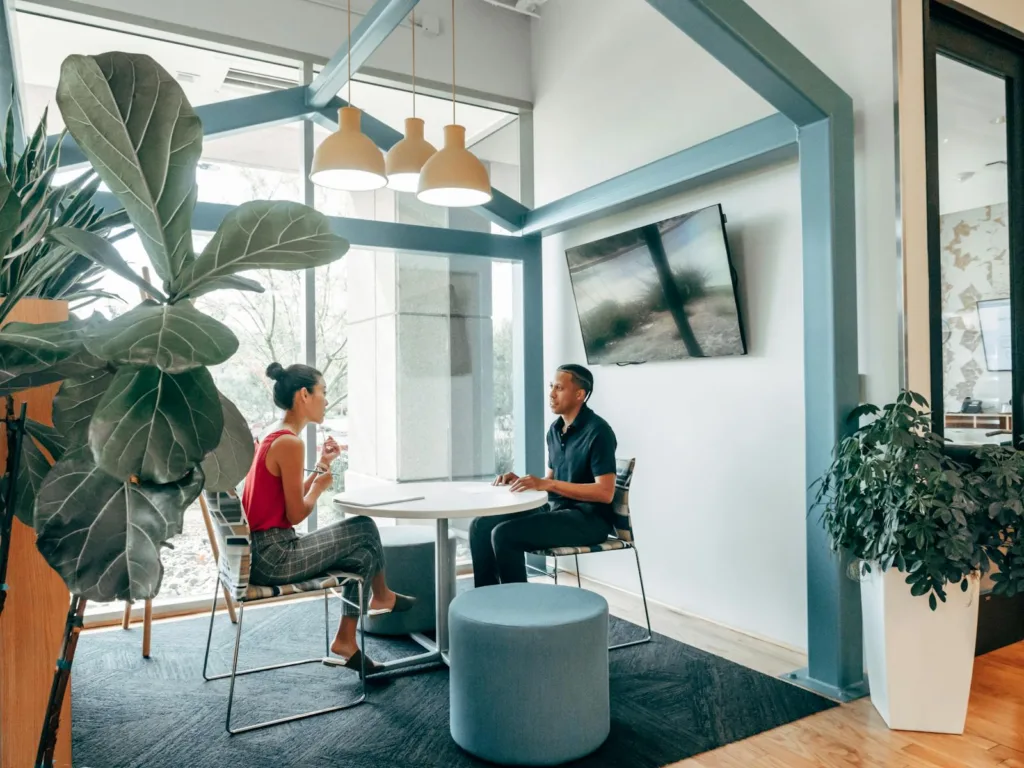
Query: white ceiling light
{"points": [[406, 159], [348, 159], [454, 177]]}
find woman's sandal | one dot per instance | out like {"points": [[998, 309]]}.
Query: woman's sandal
{"points": [[355, 662], [402, 604]]}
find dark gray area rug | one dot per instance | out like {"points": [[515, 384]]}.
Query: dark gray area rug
{"points": [[670, 701]]}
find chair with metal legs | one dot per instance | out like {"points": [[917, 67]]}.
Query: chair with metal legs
{"points": [[623, 539], [232, 533]]}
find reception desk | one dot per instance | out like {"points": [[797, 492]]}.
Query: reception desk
{"points": [[973, 428]]}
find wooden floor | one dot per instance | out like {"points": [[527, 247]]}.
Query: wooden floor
{"points": [[852, 735]]}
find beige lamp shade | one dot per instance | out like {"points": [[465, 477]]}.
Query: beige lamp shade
{"points": [[348, 159], [406, 159], [454, 177]]}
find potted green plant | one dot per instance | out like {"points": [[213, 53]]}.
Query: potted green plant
{"points": [[142, 425], [911, 519], [40, 279]]}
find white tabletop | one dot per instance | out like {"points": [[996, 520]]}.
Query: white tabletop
{"points": [[438, 500]]}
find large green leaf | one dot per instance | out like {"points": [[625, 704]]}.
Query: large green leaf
{"points": [[134, 123], [10, 212], [32, 471], [230, 283], [172, 337], [156, 425], [263, 234], [101, 251], [50, 438], [230, 460], [102, 535], [35, 354], [75, 404]]}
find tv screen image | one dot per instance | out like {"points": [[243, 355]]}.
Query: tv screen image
{"points": [[664, 291]]}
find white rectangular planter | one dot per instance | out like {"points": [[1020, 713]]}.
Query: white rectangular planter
{"points": [[919, 661]]}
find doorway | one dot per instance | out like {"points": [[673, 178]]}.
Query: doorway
{"points": [[974, 113]]}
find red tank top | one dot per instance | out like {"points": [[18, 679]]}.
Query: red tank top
{"points": [[263, 494]]}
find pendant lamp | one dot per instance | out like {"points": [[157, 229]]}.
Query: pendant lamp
{"points": [[348, 159], [454, 177], [405, 160]]}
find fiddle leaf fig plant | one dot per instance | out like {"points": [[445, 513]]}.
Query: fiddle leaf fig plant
{"points": [[140, 426]]}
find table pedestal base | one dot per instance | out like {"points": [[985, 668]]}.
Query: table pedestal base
{"points": [[436, 650]]}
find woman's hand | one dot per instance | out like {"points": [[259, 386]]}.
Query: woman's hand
{"points": [[329, 452], [322, 482]]}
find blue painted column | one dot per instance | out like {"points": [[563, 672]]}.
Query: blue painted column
{"points": [[530, 426], [831, 391]]}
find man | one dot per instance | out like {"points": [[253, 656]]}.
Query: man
{"points": [[580, 484]]}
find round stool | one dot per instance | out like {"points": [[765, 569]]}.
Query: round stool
{"points": [[409, 560], [529, 673]]}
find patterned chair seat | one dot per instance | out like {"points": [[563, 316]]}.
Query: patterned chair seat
{"points": [[604, 546], [326, 580], [622, 538], [231, 530]]}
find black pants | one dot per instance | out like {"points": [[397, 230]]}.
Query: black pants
{"points": [[499, 543]]}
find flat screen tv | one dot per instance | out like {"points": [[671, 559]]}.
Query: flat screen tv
{"points": [[664, 291]]}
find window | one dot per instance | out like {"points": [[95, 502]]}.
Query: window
{"points": [[416, 350], [207, 75]]}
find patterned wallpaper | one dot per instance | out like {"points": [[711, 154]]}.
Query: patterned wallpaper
{"points": [[975, 265]]}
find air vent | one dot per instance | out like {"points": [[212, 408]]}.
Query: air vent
{"points": [[256, 81]]}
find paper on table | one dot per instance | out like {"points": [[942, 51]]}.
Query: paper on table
{"points": [[384, 503], [377, 497]]}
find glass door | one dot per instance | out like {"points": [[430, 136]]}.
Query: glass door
{"points": [[975, 201], [974, 111]]}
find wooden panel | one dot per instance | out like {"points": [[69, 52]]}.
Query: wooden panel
{"points": [[37, 605]]}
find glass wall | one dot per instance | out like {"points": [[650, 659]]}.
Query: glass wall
{"points": [[977, 371], [416, 349]]}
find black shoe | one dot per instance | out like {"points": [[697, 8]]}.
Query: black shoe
{"points": [[402, 604]]}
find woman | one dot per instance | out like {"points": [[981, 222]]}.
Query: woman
{"points": [[277, 497]]}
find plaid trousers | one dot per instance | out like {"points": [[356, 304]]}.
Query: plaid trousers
{"points": [[281, 556]]}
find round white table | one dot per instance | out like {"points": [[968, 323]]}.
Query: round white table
{"points": [[441, 502]]}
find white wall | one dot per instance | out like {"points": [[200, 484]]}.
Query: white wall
{"points": [[719, 491], [492, 44]]}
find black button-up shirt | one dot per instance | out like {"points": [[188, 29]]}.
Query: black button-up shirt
{"points": [[580, 454]]}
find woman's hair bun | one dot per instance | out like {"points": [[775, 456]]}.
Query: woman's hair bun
{"points": [[275, 371]]}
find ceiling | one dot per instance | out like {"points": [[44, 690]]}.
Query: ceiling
{"points": [[972, 137], [209, 76]]}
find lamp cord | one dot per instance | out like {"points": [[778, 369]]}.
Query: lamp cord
{"points": [[412, 20], [453, 62], [349, 56]]}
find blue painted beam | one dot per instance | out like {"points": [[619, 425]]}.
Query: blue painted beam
{"points": [[9, 83], [224, 118], [364, 233], [381, 20], [831, 388], [754, 51], [531, 419], [762, 58], [502, 210], [754, 146]]}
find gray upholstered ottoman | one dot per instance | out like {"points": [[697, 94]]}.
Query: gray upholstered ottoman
{"points": [[409, 560], [529, 673]]}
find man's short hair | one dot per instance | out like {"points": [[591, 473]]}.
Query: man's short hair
{"points": [[581, 377]]}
